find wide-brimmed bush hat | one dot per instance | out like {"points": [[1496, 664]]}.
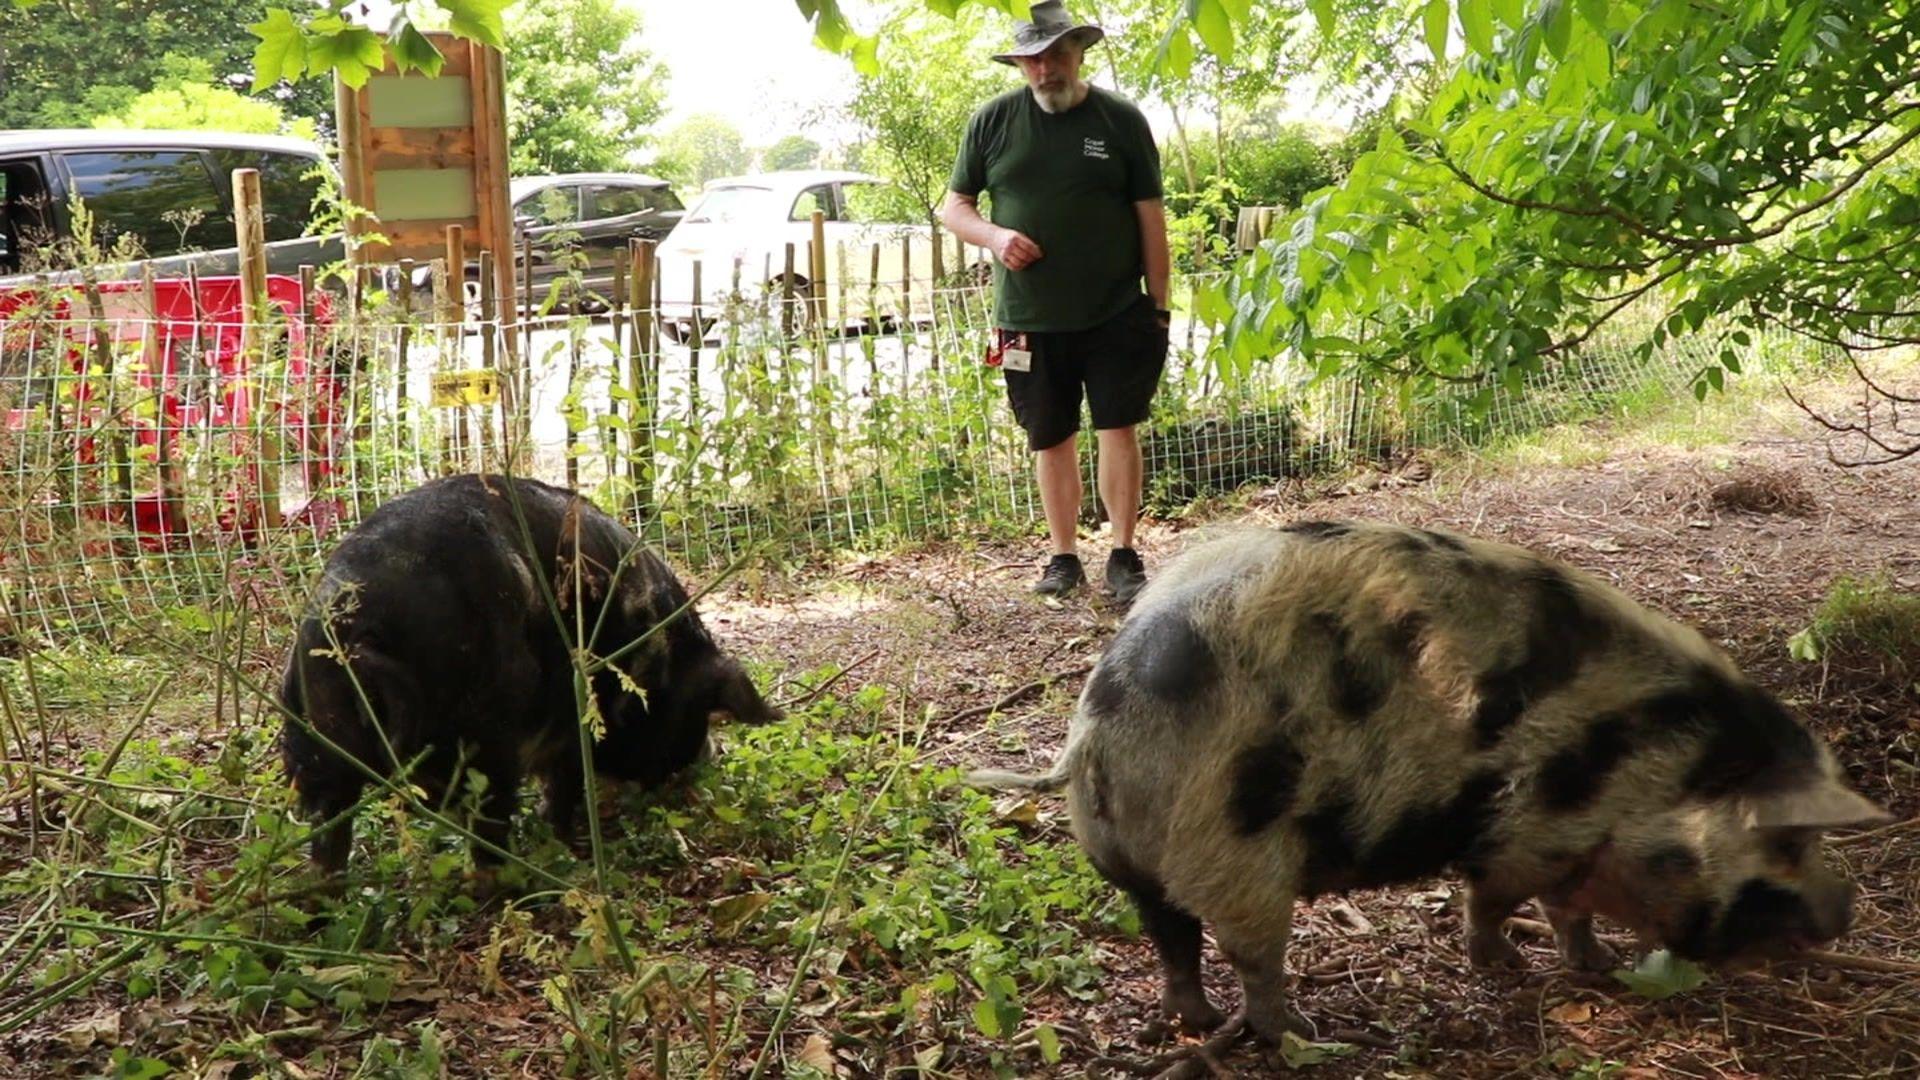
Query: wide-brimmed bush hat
{"points": [[1050, 23]]}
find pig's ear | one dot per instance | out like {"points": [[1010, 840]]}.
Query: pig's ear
{"points": [[1826, 804]]}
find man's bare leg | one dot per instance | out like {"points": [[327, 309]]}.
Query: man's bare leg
{"points": [[1120, 473], [1058, 470]]}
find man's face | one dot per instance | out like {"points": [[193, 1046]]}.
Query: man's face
{"points": [[1054, 75]]}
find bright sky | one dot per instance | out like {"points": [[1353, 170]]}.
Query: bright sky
{"points": [[754, 62], [751, 61]]}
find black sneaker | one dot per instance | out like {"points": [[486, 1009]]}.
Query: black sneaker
{"points": [[1126, 575], [1063, 575]]}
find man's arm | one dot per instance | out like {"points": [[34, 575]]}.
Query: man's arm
{"points": [[961, 215], [1153, 249]]}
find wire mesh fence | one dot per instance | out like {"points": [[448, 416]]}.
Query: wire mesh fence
{"points": [[161, 454]]}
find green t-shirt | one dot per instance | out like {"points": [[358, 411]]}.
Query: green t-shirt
{"points": [[1069, 181]]}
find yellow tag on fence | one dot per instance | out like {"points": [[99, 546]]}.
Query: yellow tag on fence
{"points": [[453, 389]]}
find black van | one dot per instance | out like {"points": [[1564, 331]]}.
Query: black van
{"points": [[170, 190]]}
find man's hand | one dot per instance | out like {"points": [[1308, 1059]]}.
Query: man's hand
{"points": [[1014, 250]]}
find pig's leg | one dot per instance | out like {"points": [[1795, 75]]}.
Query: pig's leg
{"points": [[1176, 935], [1487, 944], [1257, 949], [331, 845], [565, 785], [1573, 933]]}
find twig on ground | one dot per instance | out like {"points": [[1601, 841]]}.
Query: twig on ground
{"points": [[1017, 694], [1870, 834], [809, 696], [1846, 962], [1200, 1060]]}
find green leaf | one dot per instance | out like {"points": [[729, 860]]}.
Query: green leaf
{"points": [[1049, 1043], [412, 51], [1804, 646], [1476, 24], [1179, 55], [1662, 975], [1323, 14], [987, 1018], [1434, 21], [354, 53], [478, 19], [282, 52], [1559, 22], [866, 55], [1216, 30], [734, 912], [1298, 1053]]}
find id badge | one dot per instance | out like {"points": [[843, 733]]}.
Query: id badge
{"points": [[1011, 351]]}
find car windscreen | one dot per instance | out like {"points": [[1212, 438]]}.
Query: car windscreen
{"points": [[734, 204]]}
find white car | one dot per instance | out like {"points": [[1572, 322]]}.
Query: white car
{"points": [[750, 220]]}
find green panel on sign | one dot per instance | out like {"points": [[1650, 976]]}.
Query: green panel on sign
{"points": [[422, 194], [413, 101]]}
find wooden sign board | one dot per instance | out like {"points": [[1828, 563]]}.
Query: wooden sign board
{"points": [[422, 153]]}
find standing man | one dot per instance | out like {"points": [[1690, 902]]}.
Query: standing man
{"points": [[1074, 179]]}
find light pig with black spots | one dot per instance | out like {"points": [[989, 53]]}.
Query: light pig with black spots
{"points": [[1330, 706]]}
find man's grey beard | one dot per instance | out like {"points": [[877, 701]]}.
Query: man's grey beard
{"points": [[1055, 101]]}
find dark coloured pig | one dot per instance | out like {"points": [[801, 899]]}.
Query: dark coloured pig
{"points": [[1334, 706], [439, 604]]}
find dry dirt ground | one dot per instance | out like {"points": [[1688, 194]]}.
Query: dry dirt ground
{"points": [[1741, 539]]}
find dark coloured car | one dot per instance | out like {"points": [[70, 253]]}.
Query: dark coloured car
{"points": [[164, 196], [576, 222]]}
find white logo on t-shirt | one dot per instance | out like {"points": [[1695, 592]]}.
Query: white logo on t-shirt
{"points": [[1094, 148]]}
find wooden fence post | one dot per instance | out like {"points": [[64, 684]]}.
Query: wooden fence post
{"points": [[249, 223], [642, 373]]}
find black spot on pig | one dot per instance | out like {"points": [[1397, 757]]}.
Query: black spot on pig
{"points": [[1423, 840], [1359, 678], [1561, 632], [1571, 778], [1444, 540], [1671, 862], [1265, 778], [1106, 694], [1761, 918], [1749, 743], [1332, 846], [1427, 839], [1318, 530], [1168, 657]]}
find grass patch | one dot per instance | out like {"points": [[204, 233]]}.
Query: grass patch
{"points": [[1864, 620]]}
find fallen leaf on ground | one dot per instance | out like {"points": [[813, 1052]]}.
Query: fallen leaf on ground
{"points": [[1571, 1012], [819, 1055]]}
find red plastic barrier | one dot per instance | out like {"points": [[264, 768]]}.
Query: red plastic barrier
{"points": [[195, 377]]}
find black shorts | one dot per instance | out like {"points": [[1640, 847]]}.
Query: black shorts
{"points": [[1118, 363]]}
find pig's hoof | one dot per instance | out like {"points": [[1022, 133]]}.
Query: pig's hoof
{"points": [[1193, 1013], [1272, 1022], [1493, 952], [1589, 953]]}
